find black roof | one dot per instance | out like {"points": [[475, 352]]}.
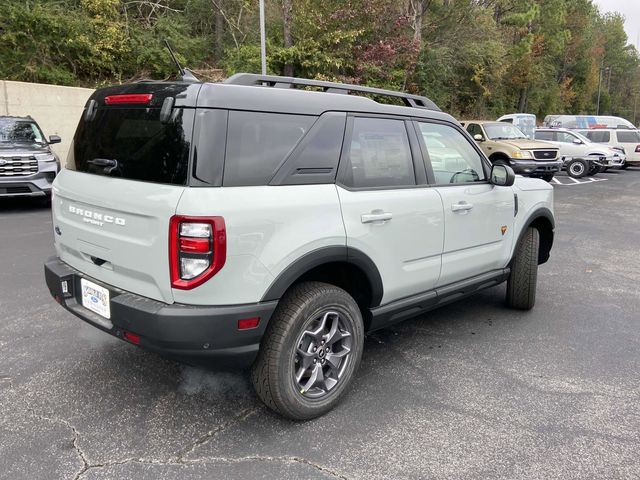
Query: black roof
{"points": [[281, 95]]}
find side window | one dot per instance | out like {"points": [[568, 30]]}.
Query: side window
{"points": [[599, 136], [378, 154], [565, 137], [628, 137], [474, 129], [453, 158], [544, 136], [257, 143]]}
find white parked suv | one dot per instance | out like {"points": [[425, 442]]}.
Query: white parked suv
{"points": [[623, 140], [573, 144], [246, 225]]}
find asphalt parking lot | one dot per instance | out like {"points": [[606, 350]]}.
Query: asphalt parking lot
{"points": [[471, 391]]}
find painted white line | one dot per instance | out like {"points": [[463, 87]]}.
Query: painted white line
{"points": [[555, 180], [574, 180], [581, 183]]}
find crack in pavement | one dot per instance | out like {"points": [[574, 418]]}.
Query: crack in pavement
{"points": [[76, 438], [227, 460], [204, 439]]}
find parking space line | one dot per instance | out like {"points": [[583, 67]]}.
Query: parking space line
{"points": [[574, 180], [555, 180]]}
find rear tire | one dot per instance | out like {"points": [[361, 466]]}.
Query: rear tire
{"points": [[522, 281], [310, 352], [577, 168]]}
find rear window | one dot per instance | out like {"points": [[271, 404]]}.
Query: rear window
{"points": [[133, 143], [258, 143], [628, 137]]}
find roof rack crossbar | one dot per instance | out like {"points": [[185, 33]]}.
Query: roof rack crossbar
{"points": [[252, 79]]}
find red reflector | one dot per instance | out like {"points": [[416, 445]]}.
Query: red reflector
{"points": [[248, 323], [638, 149], [196, 245], [128, 98], [132, 337]]}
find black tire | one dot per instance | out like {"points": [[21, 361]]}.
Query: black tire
{"points": [[625, 166], [577, 168], [594, 170], [273, 373], [521, 284], [547, 177]]}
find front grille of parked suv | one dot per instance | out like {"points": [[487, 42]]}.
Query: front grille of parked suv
{"points": [[545, 154], [15, 166]]}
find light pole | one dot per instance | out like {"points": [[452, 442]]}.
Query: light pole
{"points": [[608, 69], [263, 43]]}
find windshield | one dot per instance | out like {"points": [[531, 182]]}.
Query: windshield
{"points": [[19, 131], [503, 131]]}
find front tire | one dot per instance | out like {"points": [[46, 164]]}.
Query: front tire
{"points": [[577, 168], [310, 352], [547, 177], [522, 281]]}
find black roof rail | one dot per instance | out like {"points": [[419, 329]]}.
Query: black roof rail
{"points": [[253, 79]]}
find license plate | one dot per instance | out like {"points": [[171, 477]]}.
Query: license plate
{"points": [[95, 298]]}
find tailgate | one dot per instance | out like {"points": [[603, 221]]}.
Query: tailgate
{"points": [[116, 230]]}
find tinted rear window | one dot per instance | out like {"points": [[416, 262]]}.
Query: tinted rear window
{"points": [[258, 143], [628, 137], [132, 143]]}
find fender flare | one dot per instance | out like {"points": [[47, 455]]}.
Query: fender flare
{"points": [[545, 213], [321, 256]]}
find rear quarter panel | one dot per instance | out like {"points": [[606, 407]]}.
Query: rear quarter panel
{"points": [[268, 228]]}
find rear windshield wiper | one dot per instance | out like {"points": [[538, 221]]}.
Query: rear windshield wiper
{"points": [[108, 164]]}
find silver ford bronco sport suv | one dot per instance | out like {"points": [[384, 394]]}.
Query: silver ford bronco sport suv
{"points": [[257, 223]]}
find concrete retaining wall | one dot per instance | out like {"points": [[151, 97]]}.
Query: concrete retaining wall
{"points": [[56, 109]]}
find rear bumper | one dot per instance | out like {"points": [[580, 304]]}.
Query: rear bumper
{"points": [[194, 334], [532, 167]]}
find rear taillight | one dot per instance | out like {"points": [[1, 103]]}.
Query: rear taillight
{"points": [[638, 149], [197, 249]]}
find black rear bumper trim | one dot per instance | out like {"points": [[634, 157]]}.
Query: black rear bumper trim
{"points": [[189, 333]]}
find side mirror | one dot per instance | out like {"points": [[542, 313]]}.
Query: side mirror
{"points": [[577, 141], [54, 139], [502, 175], [479, 138]]}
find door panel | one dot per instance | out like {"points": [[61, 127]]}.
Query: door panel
{"points": [[474, 241], [405, 241], [478, 216], [386, 214]]}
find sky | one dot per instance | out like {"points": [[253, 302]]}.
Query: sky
{"points": [[630, 9]]}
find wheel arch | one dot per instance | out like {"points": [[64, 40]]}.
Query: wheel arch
{"points": [[499, 156], [542, 220], [346, 267]]}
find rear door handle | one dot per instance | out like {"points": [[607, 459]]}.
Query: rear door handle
{"points": [[377, 216], [461, 207]]}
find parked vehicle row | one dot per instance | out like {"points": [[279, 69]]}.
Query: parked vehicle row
{"points": [[542, 152]]}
